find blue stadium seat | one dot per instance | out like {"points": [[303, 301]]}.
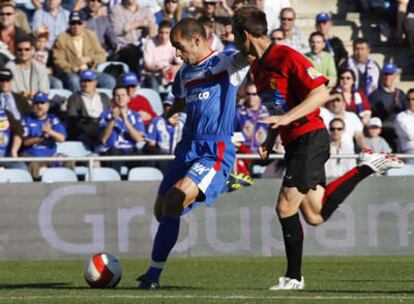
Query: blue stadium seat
{"points": [[15, 176], [153, 97], [102, 66], [103, 175], [145, 174], [407, 170], [51, 175], [72, 148], [107, 92], [59, 92]]}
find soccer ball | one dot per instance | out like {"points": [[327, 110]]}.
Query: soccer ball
{"points": [[103, 271]]}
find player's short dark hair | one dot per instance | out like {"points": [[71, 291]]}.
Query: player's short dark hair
{"points": [[251, 20], [313, 34], [360, 41], [188, 27], [164, 24]]}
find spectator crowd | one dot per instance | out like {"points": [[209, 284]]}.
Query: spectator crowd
{"points": [[104, 52]]}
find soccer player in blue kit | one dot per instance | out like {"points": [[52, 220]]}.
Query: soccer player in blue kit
{"points": [[206, 87]]}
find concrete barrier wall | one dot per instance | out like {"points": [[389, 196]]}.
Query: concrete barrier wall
{"points": [[66, 221]]}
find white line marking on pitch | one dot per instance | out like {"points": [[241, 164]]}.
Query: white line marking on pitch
{"points": [[234, 297]]}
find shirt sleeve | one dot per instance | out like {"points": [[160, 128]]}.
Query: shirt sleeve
{"points": [[152, 131], [304, 76], [139, 123], [178, 85], [238, 67], [58, 126]]}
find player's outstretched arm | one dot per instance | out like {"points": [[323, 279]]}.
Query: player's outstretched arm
{"points": [[316, 98]]}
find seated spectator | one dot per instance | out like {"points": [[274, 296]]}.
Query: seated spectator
{"points": [[120, 129], [30, 76], [131, 23], [137, 103], [277, 37], [354, 128], [272, 9], [248, 117], [387, 101], [42, 131], [404, 127], [160, 62], [339, 166], [84, 109], [293, 37], [76, 50], [100, 24], [213, 40], [355, 99], [21, 17], [42, 54], [51, 18], [323, 61], [16, 104], [171, 11], [333, 45], [11, 138], [164, 134], [10, 33], [219, 12], [367, 71], [375, 142]]}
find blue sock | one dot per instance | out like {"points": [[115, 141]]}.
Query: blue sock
{"points": [[165, 239]]}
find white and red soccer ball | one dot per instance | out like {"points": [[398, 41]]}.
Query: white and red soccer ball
{"points": [[103, 271]]}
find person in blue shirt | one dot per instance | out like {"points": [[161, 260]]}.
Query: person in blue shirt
{"points": [[41, 132], [205, 86], [164, 133], [120, 129], [11, 138]]}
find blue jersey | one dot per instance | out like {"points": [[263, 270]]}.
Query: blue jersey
{"points": [[164, 135], [120, 138], [209, 89], [5, 133], [32, 127]]}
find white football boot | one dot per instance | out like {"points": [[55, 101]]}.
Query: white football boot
{"points": [[289, 284], [380, 162]]}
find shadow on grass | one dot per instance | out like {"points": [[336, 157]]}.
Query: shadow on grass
{"points": [[67, 286], [336, 291]]}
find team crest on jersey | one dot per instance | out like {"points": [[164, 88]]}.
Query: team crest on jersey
{"points": [[273, 84], [313, 73]]}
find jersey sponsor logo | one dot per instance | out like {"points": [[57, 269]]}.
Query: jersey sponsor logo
{"points": [[199, 169], [198, 95], [273, 84], [313, 73]]}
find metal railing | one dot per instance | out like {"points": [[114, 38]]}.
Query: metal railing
{"points": [[93, 158]]}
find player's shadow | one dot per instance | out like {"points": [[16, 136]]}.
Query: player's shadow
{"points": [[68, 286], [54, 285], [338, 291]]}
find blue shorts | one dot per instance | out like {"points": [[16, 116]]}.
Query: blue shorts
{"points": [[207, 162]]}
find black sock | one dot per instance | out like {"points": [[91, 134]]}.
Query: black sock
{"points": [[339, 189], [293, 238]]}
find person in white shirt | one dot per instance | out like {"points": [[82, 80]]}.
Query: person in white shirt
{"points": [[339, 166], [404, 127], [354, 127]]}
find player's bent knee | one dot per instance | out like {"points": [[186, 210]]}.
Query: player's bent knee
{"points": [[313, 220], [158, 208], [285, 210], [173, 202]]}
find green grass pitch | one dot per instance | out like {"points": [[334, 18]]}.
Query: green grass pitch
{"points": [[216, 280]]}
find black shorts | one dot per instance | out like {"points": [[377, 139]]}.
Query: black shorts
{"points": [[305, 160]]}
